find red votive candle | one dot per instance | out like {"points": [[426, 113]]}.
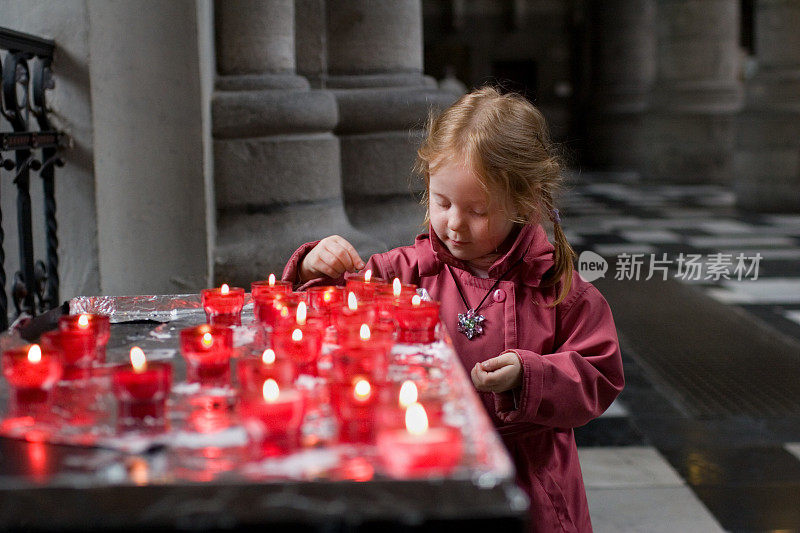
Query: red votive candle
{"points": [[419, 450], [324, 299], [417, 321], [365, 285], [264, 291], [301, 344], [269, 286], [31, 371], [362, 355], [389, 296], [141, 389], [276, 309], [99, 324], [350, 317], [279, 413], [78, 348], [253, 372], [404, 394], [207, 350], [356, 402], [223, 306]]}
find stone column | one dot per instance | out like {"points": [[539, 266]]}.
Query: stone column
{"points": [[767, 161], [623, 70], [277, 173], [374, 51], [697, 93]]}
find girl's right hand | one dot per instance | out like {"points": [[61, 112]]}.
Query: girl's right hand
{"points": [[331, 257]]}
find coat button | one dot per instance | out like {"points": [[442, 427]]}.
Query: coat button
{"points": [[499, 295]]}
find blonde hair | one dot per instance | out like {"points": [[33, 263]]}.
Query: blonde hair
{"points": [[504, 140]]}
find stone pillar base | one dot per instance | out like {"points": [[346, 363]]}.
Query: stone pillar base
{"points": [[250, 246], [278, 180]]}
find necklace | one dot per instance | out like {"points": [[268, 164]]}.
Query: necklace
{"points": [[471, 323]]}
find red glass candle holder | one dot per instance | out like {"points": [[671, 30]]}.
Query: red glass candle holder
{"points": [[358, 356], [99, 324], [276, 309], [78, 348], [142, 395], [417, 322], [300, 344], [324, 299], [32, 371], [207, 350], [267, 287], [397, 290], [426, 451], [380, 332], [253, 372], [223, 306], [278, 413], [346, 319], [365, 288], [357, 402]]}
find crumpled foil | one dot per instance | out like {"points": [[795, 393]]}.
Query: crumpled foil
{"points": [[155, 307]]}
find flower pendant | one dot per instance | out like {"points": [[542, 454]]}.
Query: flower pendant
{"points": [[470, 324]]}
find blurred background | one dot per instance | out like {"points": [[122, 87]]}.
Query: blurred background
{"points": [[207, 140]]}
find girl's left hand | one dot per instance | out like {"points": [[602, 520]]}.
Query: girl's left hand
{"points": [[498, 374]]}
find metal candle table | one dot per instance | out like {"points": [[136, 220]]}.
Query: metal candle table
{"points": [[196, 474]]}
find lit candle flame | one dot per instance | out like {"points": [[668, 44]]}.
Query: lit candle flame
{"points": [[270, 390], [34, 353], [207, 340], [397, 287], [284, 311], [297, 335], [362, 389], [416, 419], [272, 280], [408, 393], [268, 357], [302, 312], [367, 275], [327, 295], [352, 301], [224, 289], [139, 471], [416, 300], [83, 321], [138, 360], [365, 332]]}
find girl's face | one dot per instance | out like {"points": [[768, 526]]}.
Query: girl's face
{"points": [[461, 216]]}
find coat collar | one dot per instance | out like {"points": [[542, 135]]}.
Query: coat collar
{"points": [[531, 245]]}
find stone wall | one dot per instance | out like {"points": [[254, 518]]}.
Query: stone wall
{"points": [[131, 206]]}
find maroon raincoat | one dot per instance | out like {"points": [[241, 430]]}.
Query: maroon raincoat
{"points": [[570, 354]]}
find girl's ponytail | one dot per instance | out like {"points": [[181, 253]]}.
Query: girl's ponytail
{"points": [[563, 258], [563, 255]]}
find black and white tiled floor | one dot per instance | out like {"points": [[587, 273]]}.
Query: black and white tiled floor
{"points": [[649, 463], [613, 219]]}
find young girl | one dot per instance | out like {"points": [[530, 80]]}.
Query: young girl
{"points": [[539, 342]]}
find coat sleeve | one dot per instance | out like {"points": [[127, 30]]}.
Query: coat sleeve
{"points": [[291, 272], [379, 265], [577, 382]]}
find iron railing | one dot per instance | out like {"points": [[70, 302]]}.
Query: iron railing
{"points": [[35, 285]]}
